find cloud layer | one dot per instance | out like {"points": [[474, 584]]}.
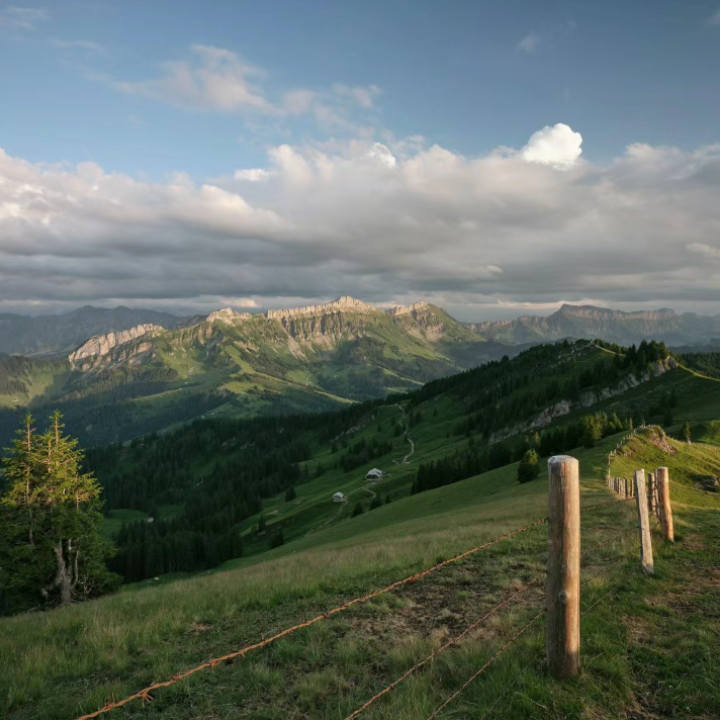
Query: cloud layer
{"points": [[383, 222]]}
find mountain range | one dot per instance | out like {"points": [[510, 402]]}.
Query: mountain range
{"points": [[134, 380], [587, 321], [62, 333], [146, 371]]}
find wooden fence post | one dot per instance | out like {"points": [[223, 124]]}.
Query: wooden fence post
{"points": [[646, 553], [662, 478], [562, 589], [651, 494]]}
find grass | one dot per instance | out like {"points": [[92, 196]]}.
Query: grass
{"points": [[637, 632]]}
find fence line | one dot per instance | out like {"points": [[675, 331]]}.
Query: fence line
{"points": [[145, 695], [486, 665], [435, 653]]}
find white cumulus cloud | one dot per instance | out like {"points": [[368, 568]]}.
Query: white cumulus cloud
{"points": [[558, 146], [384, 222]]}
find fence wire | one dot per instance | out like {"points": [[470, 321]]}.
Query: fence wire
{"points": [[435, 653], [145, 693]]}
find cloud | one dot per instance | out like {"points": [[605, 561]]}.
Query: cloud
{"points": [[387, 222], [215, 79], [362, 96], [252, 175], [88, 45], [706, 251], [22, 18], [558, 146], [714, 19], [529, 43], [212, 79]]}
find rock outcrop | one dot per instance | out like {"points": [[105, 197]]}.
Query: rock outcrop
{"points": [[342, 304], [408, 309], [228, 315], [101, 345], [587, 399]]}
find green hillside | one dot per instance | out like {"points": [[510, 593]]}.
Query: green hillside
{"points": [[122, 385], [60, 664], [240, 488]]}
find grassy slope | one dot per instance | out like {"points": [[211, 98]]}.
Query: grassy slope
{"points": [[636, 641], [698, 398]]}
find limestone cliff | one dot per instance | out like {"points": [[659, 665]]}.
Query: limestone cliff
{"points": [[101, 345]]}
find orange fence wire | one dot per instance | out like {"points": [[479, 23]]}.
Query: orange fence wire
{"points": [[435, 653], [145, 695], [486, 665]]}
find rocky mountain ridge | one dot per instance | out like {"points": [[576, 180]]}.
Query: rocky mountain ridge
{"points": [[587, 321], [101, 345], [66, 333]]}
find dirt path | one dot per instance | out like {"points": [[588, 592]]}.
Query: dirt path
{"points": [[406, 459]]}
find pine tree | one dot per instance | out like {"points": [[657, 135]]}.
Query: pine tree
{"points": [[52, 548], [529, 467]]}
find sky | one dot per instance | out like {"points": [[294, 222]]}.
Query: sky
{"points": [[494, 158]]}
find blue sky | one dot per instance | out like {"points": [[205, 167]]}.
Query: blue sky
{"points": [[450, 71], [271, 111]]}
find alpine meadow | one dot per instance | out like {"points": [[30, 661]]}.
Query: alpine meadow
{"points": [[359, 361]]}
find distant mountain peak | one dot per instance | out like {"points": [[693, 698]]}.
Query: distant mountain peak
{"points": [[343, 303], [408, 309], [593, 310], [227, 315]]}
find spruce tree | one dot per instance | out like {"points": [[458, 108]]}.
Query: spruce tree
{"points": [[52, 548], [529, 467]]}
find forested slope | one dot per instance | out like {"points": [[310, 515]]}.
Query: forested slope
{"points": [[219, 489]]}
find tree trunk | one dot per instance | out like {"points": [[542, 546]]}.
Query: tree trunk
{"points": [[63, 579]]}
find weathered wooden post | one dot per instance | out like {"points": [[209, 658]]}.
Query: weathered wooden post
{"points": [[646, 553], [652, 496], [662, 478], [562, 589]]}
